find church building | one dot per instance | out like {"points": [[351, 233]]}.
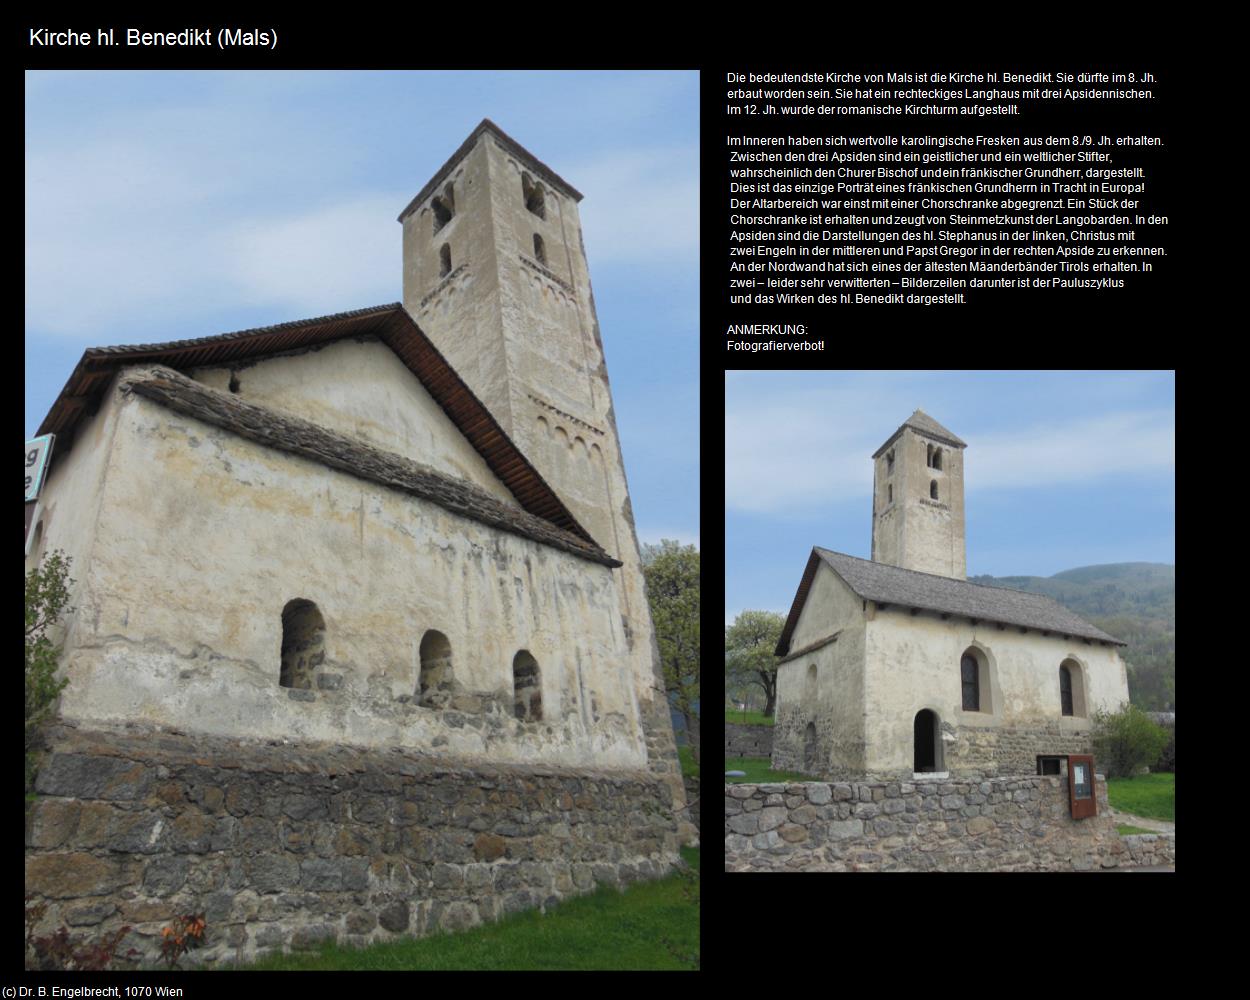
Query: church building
{"points": [[404, 530], [898, 667]]}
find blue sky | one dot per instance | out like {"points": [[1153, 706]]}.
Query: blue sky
{"points": [[1062, 469], [167, 205]]}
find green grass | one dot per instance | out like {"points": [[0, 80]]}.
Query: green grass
{"points": [[689, 769], [758, 770], [748, 718], [607, 929], [1124, 828], [1150, 795]]}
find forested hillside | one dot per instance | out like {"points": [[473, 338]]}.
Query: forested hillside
{"points": [[1135, 602]]}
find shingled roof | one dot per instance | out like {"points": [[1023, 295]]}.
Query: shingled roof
{"points": [[337, 451], [391, 324], [906, 588], [927, 426]]}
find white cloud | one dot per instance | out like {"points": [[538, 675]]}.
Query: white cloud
{"points": [[789, 450], [339, 256], [645, 205], [1074, 451]]}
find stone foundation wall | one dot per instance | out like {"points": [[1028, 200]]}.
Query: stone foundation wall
{"points": [[1010, 750], [998, 824], [748, 741], [284, 845]]}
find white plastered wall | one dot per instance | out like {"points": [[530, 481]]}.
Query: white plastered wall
{"points": [[913, 662]]}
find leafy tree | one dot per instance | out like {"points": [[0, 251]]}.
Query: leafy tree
{"points": [[47, 598], [749, 645], [672, 574], [1127, 740]]}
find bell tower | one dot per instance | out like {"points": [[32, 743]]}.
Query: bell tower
{"points": [[495, 273], [918, 499]]}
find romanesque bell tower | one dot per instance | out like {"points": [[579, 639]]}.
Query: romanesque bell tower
{"points": [[495, 273], [918, 499]]}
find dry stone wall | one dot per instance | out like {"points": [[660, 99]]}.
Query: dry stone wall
{"points": [[281, 846], [997, 824], [748, 741]]}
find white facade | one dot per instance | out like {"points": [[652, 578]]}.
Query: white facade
{"points": [[898, 665]]}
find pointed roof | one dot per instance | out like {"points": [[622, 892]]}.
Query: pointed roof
{"points": [[509, 143], [389, 323], [874, 581], [926, 425]]}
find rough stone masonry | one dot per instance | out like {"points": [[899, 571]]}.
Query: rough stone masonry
{"points": [[997, 824], [286, 845]]}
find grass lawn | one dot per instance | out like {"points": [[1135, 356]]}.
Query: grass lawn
{"points": [[689, 769], [1124, 828], [1150, 795], [758, 770], [607, 929], [748, 718]]}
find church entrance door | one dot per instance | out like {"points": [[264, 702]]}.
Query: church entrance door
{"points": [[924, 739]]}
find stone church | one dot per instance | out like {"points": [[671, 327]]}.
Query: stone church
{"points": [[360, 641], [898, 667]]}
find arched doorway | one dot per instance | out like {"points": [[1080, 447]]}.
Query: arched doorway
{"points": [[925, 734]]}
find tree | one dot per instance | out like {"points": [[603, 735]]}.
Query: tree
{"points": [[1127, 740], [749, 645], [672, 574], [47, 598]]}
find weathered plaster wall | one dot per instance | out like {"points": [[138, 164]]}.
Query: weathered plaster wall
{"points": [[181, 621], [361, 388], [999, 824], [914, 663], [834, 703], [281, 846], [525, 337], [70, 505]]}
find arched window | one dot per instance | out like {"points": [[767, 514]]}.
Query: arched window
{"points": [[937, 458], [970, 682], [933, 494], [927, 743], [540, 251], [535, 201], [444, 260], [436, 677], [1072, 689], [442, 214], [303, 643], [526, 688], [444, 207], [889, 462], [889, 494], [928, 458]]}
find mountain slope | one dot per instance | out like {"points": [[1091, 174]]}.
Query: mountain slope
{"points": [[1135, 602]]}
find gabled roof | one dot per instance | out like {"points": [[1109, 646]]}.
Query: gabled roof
{"points": [[389, 323], [926, 425], [306, 439], [905, 588]]}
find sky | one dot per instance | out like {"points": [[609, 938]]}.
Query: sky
{"points": [[1062, 468], [170, 205]]}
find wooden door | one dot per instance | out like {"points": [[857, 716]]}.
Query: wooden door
{"points": [[1082, 796]]}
